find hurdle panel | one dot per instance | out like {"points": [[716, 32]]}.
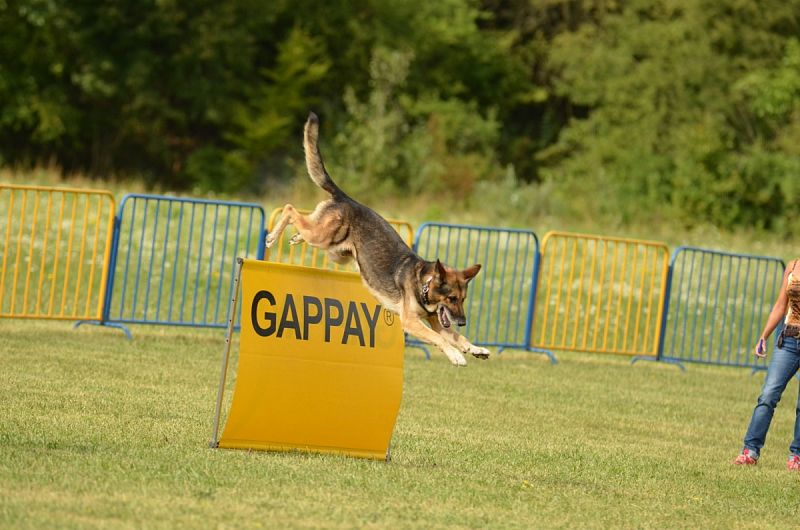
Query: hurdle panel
{"points": [[500, 299], [718, 303], [55, 245], [320, 365], [305, 255], [600, 294], [175, 258]]}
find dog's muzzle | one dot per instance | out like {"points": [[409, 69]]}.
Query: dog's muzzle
{"points": [[446, 318]]}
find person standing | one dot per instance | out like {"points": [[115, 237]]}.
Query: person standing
{"points": [[782, 367]]}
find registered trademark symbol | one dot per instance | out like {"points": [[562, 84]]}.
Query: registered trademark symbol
{"points": [[388, 317]]}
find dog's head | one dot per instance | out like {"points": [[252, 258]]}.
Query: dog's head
{"points": [[447, 290]]}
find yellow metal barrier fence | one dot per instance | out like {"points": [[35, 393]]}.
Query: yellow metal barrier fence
{"points": [[55, 245], [306, 255], [600, 294]]}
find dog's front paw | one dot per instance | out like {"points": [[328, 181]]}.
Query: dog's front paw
{"points": [[479, 352], [270, 240], [455, 357], [296, 239]]}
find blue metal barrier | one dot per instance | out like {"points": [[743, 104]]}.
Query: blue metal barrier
{"points": [[173, 259], [500, 301], [716, 306]]}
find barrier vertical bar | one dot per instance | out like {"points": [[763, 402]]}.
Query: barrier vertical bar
{"points": [[42, 263], [81, 254], [30, 252], [152, 257], [18, 253], [211, 261], [532, 306], [94, 261], [5, 246], [164, 251], [200, 257], [175, 267], [69, 254], [188, 256], [222, 262]]}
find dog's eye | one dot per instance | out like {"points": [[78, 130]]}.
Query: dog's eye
{"points": [[452, 299]]}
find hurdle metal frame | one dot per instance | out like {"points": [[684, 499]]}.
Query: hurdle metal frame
{"points": [[226, 352]]}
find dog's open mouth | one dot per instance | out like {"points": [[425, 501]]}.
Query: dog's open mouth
{"points": [[444, 317]]}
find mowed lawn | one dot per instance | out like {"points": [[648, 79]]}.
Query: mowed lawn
{"points": [[99, 431]]}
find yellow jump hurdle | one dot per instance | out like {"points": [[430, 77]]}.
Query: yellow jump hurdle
{"points": [[320, 364]]}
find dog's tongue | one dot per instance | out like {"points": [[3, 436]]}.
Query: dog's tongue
{"points": [[443, 317]]}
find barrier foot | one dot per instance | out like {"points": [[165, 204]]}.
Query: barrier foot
{"points": [[529, 349], [105, 324], [420, 346], [657, 360], [549, 354]]}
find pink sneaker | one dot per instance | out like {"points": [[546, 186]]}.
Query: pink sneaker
{"points": [[749, 458], [793, 464]]}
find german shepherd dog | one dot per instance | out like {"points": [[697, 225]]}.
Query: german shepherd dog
{"points": [[404, 283]]}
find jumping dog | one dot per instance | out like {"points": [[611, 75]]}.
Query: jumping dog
{"points": [[404, 283]]}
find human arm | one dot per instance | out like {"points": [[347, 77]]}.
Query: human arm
{"points": [[775, 316]]}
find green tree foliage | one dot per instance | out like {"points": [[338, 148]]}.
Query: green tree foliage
{"points": [[624, 109], [689, 108]]}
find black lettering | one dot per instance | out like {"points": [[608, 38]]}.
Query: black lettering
{"points": [[268, 316], [287, 320], [330, 320], [308, 302], [349, 328], [371, 322]]}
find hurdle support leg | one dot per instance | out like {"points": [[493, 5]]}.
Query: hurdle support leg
{"points": [[226, 354], [657, 360], [105, 324]]}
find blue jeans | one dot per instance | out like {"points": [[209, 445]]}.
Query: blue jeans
{"points": [[782, 367]]}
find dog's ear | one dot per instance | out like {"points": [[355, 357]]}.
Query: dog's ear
{"points": [[440, 271], [471, 272]]}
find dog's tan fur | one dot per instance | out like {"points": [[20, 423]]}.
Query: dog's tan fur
{"points": [[418, 291]]}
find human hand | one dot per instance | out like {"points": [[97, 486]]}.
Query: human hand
{"points": [[761, 348]]}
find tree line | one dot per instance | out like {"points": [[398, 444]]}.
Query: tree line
{"points": [[690, 108]]}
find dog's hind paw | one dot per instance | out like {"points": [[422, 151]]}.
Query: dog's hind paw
{"points": [[296, 239], [479, 352]]}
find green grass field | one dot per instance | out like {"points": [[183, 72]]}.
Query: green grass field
{"points": [[99, 431]]}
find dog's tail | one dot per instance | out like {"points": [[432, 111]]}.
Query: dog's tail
{"points": [[316, 168]]}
